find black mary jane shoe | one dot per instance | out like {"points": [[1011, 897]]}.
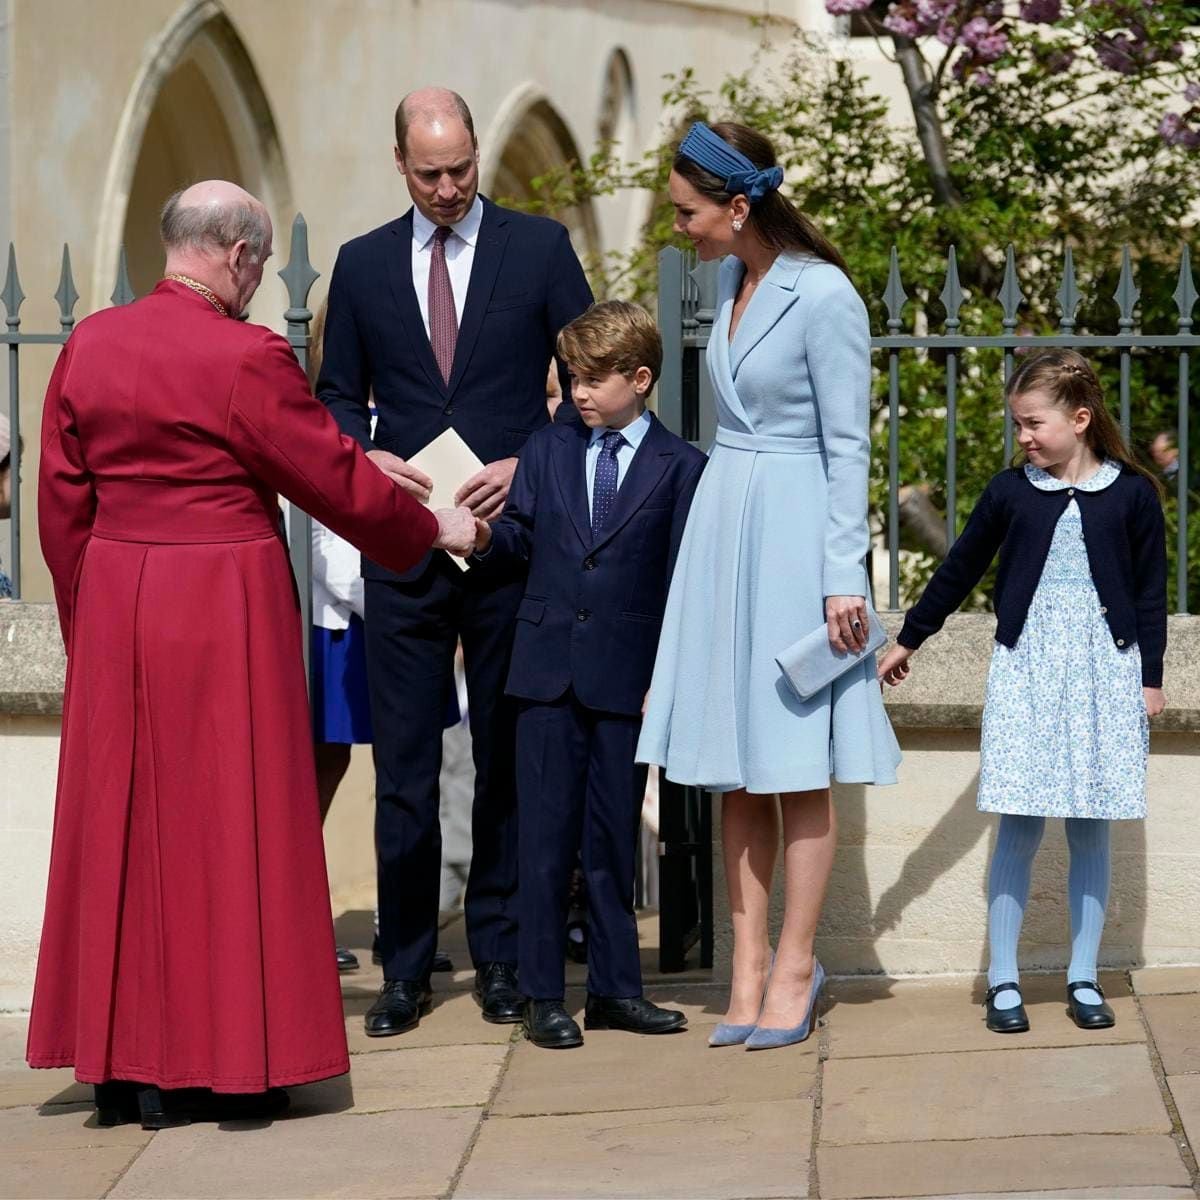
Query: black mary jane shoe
{"points": [[548, 1024], [1089, 1016], [634, 1015], [1006, 1020]]}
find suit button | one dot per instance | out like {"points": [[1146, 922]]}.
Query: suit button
{"points": [[589, 564], [583, 614], [1120, 641], [450, 412], [1070, 491]]}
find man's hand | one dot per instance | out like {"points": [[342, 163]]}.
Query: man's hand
{"points": [[483, 536], [894, 668], [456, 531], [415, 483], [1155, 701], [485, 493], [846, 617]]}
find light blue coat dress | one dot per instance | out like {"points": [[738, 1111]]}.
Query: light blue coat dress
{"points": [[779, 522]]}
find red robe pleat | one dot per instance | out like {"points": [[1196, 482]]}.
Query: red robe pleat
{"points": [[188, 938]]}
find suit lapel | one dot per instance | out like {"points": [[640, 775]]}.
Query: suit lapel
{"points": [[489, 253], [399, 265], [649, 462], [570, 470], [775, 295]]}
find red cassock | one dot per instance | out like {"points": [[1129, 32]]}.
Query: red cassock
{"points": [[188, 940]]}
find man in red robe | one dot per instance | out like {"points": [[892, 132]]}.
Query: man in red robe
{"points": [[188, 940]]}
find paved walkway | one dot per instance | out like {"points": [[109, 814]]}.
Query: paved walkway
{"points": [[902, 1093]]}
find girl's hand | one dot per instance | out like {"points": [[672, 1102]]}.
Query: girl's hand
{"points": [[846, 617], [894, 668], [1155, 701]]}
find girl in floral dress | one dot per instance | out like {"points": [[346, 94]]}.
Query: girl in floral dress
{"points": [[1081, 613]]}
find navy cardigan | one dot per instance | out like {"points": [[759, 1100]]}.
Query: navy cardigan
{"points": [[1126, 548]]}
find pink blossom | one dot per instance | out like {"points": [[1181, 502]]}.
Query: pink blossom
{"points": [[1117, 53], [986, 41], [1191, 93], [901, 20], [841, 8], [1176, 132], [1041, 12]]}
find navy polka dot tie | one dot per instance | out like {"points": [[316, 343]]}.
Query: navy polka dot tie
{"points": [[604, 489]]}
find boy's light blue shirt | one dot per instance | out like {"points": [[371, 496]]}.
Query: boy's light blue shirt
{"points": [[632, 433]]}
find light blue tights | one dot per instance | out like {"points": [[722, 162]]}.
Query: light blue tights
{"points": [[1008, 892]]}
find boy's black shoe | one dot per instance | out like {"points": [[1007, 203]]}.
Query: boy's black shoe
{"points": [[1005, 1020], [635, 1015], [1089, 1016], [548, 1024]]}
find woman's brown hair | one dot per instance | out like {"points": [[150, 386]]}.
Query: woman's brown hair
{"points": [[777, 221], [1071, 383]]}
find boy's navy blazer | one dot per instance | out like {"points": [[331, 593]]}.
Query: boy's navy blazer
{"points": [[592, 609], [526, 284]]}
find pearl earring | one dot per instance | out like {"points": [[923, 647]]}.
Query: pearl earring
{"points": [[737, 225]]}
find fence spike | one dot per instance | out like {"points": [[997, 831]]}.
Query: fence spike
{"points": [[952, 293], [1068, 294], [1185, 290], [123, 291], [299, 275], [894, 296], [1127, 293], [66, 295], [1010, 295], [12, 295]]}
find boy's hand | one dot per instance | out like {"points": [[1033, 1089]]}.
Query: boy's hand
{"points": [[894, 668], [1155, 701], [483, 536]]}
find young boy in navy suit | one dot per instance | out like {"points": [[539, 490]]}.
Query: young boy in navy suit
{"points": [[595, 513]]}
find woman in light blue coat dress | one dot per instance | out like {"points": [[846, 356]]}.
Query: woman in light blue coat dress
{"points": [[774, 547]]}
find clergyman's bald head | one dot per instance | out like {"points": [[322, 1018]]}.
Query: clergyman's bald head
{"points": [[214, 215], [431, 105]]}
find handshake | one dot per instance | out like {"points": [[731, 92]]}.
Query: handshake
{"points": [[456, 531]]}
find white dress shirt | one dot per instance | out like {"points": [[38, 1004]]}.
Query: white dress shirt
{"points": [[460, 254], [632, 433]]}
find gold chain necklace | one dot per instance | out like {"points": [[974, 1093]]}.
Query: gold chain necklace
{"points": [[201, 290]]}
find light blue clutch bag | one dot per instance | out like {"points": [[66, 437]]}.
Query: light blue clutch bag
{"points": [[812, 663]]}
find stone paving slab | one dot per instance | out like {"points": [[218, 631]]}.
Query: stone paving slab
{"points": [[1096, 1089], [884, 1017], [421, 1077], [1165, 981], [1185, 1090], [614, 1071], [999, 1165], [409, 1154], [721, 1153], [19, 1086], [80, 1174], [1130, 1193], [454, 1021], [1175, 1023]]}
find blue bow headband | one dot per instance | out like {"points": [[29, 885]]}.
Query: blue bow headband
{"points": [[712, 152]]}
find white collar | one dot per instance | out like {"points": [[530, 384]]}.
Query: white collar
{"points": [[467, 228], [632, 433], [1097, 481]]}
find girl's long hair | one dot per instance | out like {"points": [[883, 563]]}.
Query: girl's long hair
{"points": [[1071, 382], [777, 221]]}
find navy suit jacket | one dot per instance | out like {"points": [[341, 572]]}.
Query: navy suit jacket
{"points": [[592, 609], [526, 284]]}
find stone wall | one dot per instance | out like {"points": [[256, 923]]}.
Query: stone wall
{"points": [[908, 889]]}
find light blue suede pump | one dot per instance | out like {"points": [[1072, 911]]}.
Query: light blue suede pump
{"points": [[735, 1035], [769, 1039]]}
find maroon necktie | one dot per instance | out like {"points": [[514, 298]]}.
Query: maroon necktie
{"points": [[443, 317]]}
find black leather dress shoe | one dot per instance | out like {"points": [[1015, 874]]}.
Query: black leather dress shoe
{"points": [[635, 1015], [548, 1024], [400, 1006], [347, 960], [119, 1102], [1005, 1020], [441, 960], [1089, 1016], [497, 992]]}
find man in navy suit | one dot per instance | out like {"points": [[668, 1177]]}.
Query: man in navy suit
{"points": [[447, 317], [596, 513]]}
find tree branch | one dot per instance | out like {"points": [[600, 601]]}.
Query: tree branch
{"points": [[915, 71]]}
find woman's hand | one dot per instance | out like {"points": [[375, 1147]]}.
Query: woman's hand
{"points": [[846, 617], [1155, 701], [894, 668]]}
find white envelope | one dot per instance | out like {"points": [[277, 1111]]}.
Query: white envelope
{"points": [[449, 462]]}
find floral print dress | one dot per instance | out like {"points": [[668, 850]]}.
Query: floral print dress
{"points": [[1065, 732]]}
